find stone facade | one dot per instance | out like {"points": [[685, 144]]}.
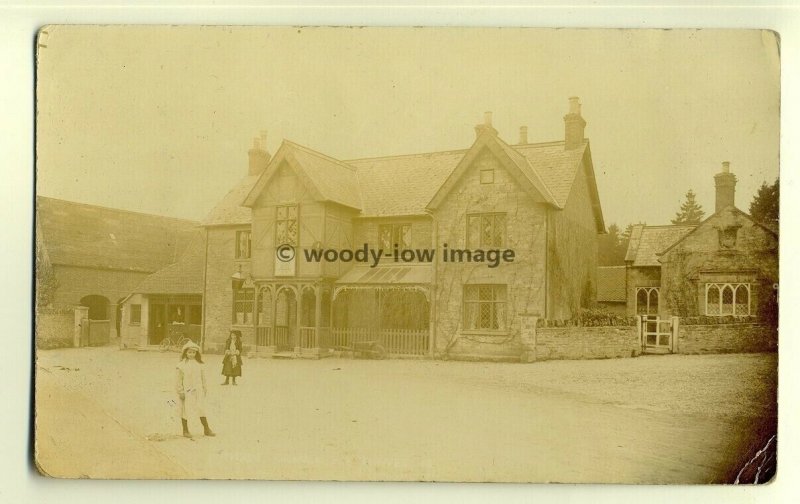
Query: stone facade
{"points": [[729, 248]]}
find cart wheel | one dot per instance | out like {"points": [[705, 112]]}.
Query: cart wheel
{"points": [[165, 344], [379, 352]]}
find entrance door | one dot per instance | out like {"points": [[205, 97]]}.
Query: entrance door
{"points": [[158, 324], [286, 321], [656, 334]]}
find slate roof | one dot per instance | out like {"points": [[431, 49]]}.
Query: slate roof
{"points": [[404, 184], [77, 234], [229, 210], [648, 241], [611, 284], [182, 277]]}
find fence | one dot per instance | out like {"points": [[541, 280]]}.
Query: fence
{"points": [[395, 341]]}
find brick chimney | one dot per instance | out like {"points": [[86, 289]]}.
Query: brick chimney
{"points": [[259, 157], [523, 135], [726, 187], [486, 126], [573, 125]]}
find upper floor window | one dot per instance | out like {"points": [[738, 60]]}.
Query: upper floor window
{"points": [[727, 299], [394, 234], [486, 230], [242, 244], [484, 307], [487, 176], [647, 300], [286, 225]]}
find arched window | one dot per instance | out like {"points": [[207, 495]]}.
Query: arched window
{"points": [[728, 299], [647, 300]]}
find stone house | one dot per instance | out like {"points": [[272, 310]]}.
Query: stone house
{"points": [[99, 255], [441, 220], [726, 266]]}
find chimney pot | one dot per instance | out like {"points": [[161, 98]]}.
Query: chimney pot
{"points": [[487, 119], [574, 125], [523, 135], [725, 183], [259, 157]]}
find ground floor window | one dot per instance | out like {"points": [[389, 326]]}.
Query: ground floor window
{"points": [[243, 306], [136, 314], [647, 300], [484, 307], [727, 299]]}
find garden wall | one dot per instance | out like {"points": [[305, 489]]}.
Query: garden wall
{"points": [[576, 342], [727, 338], [54, 329]]}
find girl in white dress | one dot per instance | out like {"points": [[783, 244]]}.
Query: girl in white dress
{"points": [[191, 388]]}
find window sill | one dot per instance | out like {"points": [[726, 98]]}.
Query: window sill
{"points": [[134, 324], [486, 332]]}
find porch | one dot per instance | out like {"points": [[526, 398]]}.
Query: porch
{"points": [[315, 319]]}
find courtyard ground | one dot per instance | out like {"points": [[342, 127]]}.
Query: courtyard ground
{"points": [[106, 413]]}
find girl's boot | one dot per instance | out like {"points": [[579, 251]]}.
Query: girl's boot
{"points": [[185, 428], [206, 429], [226, 380]]}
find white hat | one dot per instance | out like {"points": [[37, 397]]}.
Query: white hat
{"points": [[188, 345]]}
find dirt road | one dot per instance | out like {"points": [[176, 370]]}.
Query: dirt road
{"points": [[676, 419]]}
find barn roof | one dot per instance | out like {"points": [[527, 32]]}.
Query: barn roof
{"points": [[77, 234], [648, 241], [611, 283]]}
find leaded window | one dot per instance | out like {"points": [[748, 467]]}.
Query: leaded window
{"points": [[243, 306], [395, 234], [486, 230], [286, 225], [485, 307], [242, 245], [727, 299], [647, 300]]}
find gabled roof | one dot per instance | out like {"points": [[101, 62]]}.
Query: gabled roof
{"points": [[182, 277], [647, 242], [719, 214], [611, 284], [405, 185], [328, 178], [229, 211], [77, 234], [517, 165]]}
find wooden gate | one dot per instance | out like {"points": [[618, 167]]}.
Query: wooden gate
{"points": [[659, 336]]}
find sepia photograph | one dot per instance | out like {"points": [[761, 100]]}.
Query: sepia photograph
{"points": [[430, 254]]}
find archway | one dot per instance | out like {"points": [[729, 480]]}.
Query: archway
{"points": [[98, 306]]}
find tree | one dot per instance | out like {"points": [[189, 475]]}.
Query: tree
{"points": [[691, 212], [610, 249], [765, 205]]}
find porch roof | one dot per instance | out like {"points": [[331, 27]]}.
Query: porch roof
{"points": [[388, 274]]}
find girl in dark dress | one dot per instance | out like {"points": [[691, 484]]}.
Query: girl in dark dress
{"points": [[232, 362]]}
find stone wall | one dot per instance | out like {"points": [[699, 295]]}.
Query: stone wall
{"points": [[727, 338], [54, 328], [587, 342]]}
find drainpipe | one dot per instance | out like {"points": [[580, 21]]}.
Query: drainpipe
{"points": [[432, 288]]}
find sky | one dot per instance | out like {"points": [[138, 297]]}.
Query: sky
{"points": [[159, 119]]}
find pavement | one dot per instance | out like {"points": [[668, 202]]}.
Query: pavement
{"points": [[107, 413]]}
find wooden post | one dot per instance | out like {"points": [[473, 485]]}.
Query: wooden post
{"points": [[675, 334], [317, 314]]}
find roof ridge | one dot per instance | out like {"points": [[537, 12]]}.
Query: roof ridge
{"points": [[122, 210], [398, 156], [320, 154], [669, 225]]}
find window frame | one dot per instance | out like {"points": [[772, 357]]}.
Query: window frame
{"points": [[396, 232], [499, 298], [247, 317], [237, 253], [648, 291], [479, 243], [296, 221], [137, 308], [720, 288]]}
